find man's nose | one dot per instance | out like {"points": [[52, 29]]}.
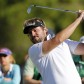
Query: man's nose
{"points": [[33, 33]]}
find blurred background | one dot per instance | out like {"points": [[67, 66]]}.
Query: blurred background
{"points": [[13, 13]]}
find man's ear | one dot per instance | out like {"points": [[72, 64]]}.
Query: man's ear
{"points": [[46, 29]]}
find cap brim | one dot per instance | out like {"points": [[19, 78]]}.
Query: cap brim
{"points": [[3, 54], [26, 29]]}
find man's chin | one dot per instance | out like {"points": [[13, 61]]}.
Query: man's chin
{"points": [[36, 42]]}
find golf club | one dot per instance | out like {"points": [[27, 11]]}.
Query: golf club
{"points": [[29, 9]]}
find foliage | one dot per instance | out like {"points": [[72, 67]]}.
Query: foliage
{"points": [[13, 13]]}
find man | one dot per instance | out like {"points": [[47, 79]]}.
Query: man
{"points": [[30, 73], [53, 57], [79, 62], [82, 57]]}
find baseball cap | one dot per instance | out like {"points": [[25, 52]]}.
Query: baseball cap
{"points": [[32, 24], [5, 52], [82, 39]]}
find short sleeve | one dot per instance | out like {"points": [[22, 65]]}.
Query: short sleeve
{"points": [[72, 45], [28, 68]]}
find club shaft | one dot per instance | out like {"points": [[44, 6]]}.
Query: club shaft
{"points": [[56, 9]]}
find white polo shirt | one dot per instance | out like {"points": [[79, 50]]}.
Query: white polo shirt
{"points": [[57, 66]]}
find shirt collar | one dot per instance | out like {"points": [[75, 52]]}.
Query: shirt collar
{"points": [[11, 68]]}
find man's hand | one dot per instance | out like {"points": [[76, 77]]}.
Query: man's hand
{"points": [[81, 13]]}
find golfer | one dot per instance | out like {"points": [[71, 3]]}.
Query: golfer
{"points": [[53, 57]]}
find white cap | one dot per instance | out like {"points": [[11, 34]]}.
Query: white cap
{"points": [[82, 39]]}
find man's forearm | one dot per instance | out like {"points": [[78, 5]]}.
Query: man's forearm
{"points": [[67, 32], [32, 81], [62, 35]]}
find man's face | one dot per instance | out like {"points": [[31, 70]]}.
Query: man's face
{"points": [[37, 34]]}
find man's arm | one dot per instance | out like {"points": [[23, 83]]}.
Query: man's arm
{"points": [[80, 49], [29, 73], [61, 36], [29, 80]]}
